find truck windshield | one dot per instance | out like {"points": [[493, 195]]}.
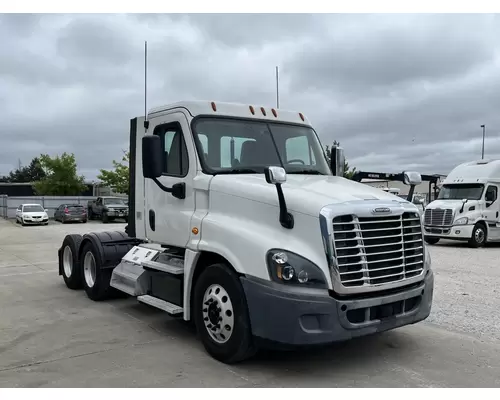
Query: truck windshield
{"points": [[241, 146], [469, 191], [114, 201]]}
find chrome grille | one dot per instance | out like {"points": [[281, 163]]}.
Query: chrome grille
{"points": [[438, 217], [377, 250]]}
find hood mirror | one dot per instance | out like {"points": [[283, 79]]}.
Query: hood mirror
{"points": [[276, 176], [412, 178], [337, 161]]}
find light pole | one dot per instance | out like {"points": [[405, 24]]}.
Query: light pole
{"points": [[482, 152]]}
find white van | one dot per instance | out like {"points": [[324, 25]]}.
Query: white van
{"points": [[467, 207]]}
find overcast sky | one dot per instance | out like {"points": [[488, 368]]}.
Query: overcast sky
{"points": [[398, 91]]}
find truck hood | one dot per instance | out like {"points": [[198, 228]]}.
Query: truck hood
{"points": [[453, 204], [306, 194]]}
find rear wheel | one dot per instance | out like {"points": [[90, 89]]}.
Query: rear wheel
{"points": [[71, 270], [431, 240], [221, 315], [478, 238], [96, 281]]}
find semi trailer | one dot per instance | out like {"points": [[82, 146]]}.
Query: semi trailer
{"points": [[238, 223]]}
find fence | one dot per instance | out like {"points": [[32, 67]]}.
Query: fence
{"points": [[9, 205]]}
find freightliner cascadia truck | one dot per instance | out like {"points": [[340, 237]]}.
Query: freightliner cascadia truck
{"points": [[238, 223]]}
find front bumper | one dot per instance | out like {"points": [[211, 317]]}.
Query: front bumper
{"points": [[296, 317], [455, 232], [35, 221]]}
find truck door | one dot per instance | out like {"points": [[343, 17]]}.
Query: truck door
{"points": [[491, 211], [167, 218]]}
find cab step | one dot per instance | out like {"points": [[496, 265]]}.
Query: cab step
{"points": [[170, 308]]}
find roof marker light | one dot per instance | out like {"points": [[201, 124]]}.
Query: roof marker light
{"points": [[302, 117], [274, 112], [263, 111], [251, 110], [214, 107]]}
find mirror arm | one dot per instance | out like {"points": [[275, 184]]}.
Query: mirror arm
{"points": [[410, 192], [178, 190], [286, 219]]}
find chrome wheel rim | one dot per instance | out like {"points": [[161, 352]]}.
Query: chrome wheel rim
{"points": [[479, 235], [67, 261], [89, 269], [218, 314]]}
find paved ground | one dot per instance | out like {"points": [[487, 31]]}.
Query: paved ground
{"points": [[52, 336]]}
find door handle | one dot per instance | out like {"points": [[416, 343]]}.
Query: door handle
{"points": [[152, 220], [497, 214]]}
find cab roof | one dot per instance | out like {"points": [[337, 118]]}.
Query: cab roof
{"points": [[475, 172], [239, 110]]}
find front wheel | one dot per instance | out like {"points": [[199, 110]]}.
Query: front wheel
{"points": [[478, 238], [221, 315], [431, 240]]}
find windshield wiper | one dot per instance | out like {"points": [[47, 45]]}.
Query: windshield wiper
{"points": [[306, 172], [238, 171]]}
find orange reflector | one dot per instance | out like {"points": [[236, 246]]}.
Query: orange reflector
{"points": [[263, 111], [214, 106], [252, 110], [274, 112], [301, 117], [195, 230]]}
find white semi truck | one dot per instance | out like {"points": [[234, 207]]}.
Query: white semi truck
{"points": [[237, 223], [467, 207]]}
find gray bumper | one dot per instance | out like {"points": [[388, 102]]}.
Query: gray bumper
{"points": [[293, 316]]}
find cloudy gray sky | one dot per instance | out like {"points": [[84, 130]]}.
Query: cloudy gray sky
{"points": [[398, 91]]}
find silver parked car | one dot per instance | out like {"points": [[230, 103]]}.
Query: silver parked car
{"points": [[70, 212]]}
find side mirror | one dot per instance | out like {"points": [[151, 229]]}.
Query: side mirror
{"points": [[152, 157], [412, 178], [337, 161], [275, 175], [46, 210]]}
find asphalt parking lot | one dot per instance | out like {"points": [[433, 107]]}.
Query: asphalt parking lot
{"points": [[52, 336]]}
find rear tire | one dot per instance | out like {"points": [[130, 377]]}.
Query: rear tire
{"points": [[69, 262], [96, 281], [431, 240], [219, 297], [478, 238]]}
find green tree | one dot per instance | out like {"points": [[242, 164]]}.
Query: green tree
{"points": [[117, 179], [61, 178], [348, 171], [30, 173]]}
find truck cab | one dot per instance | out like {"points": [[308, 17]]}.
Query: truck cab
{"points": [[467, 207], [238, 223]]}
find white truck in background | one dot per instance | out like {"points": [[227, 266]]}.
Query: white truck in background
{"points": [[467, 207], [237, 223]]}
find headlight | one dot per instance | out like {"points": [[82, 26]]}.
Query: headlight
{"points": [[461, 221], [292, 269]]}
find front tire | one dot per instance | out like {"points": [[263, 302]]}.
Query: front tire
{"points": [[431, 240], [478, 238], [221, 315], [71, 268], [96, 281]]}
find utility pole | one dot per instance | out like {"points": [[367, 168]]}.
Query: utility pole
{"points": [[277, 89], [482, 152]]}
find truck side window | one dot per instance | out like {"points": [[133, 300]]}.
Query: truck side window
{"points": [[176, 156], [491, 194], [297, 148]]}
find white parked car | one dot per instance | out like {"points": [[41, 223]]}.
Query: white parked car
{"points": [[33, 214]]}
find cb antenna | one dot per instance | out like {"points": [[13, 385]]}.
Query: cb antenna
{"points": [[146, 122]]}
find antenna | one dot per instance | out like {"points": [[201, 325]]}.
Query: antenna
{"points": [[277, 88], [146, 122]]}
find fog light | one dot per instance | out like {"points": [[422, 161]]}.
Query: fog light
{"points": [[457, 232]]}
